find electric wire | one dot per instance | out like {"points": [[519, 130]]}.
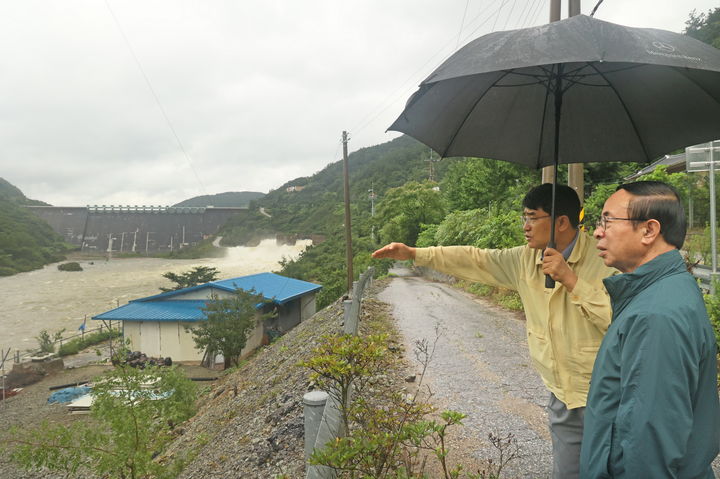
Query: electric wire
{"points": [[529, 14], [539, 10], [592, 14], [512, 9], [498, 15], [155, 96], [401, 92], [462, 24]]}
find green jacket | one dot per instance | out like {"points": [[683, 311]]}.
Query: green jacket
{"points": [[652, 409]]}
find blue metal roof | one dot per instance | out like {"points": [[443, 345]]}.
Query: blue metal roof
{"points": [[172, 310], [273, 287], [162, 307]]}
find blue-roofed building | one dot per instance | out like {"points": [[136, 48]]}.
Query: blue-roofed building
{"points": [[156, 324]]}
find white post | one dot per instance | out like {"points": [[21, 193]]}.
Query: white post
{"points": [[313, 407]]}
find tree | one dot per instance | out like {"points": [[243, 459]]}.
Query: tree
{"points": [[479, 182], [131, 425], [704, 27], [197, 275], [229, 323], [405, 209]]}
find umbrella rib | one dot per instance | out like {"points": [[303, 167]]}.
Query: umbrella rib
{"points": [[625, 108], [683, 73], [462, 123]]}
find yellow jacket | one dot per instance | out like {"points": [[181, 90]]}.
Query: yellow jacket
{"points": [[564, 330]]}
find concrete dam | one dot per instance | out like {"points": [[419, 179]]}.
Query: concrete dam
{"points": [[135, 229]]}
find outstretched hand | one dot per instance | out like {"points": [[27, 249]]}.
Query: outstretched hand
{"points": [[398, 251], [555, 265]]}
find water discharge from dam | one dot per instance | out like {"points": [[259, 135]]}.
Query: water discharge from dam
{"points": [[49, 299]]}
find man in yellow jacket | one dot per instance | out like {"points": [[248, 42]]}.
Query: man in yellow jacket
{"points": [[565, 325]]}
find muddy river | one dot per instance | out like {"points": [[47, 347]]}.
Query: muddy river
{"points": [[49, 299]]}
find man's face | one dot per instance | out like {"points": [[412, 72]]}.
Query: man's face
{"points": [[536, 228], [620, 242]]}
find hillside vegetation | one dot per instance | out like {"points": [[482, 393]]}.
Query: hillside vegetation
{"points": [[230, 199], [26, 241]]}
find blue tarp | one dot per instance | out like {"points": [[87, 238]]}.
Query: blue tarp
{"points": [[68, 394]]}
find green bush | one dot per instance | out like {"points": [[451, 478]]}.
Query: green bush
{"points": [[76, 345], [480, 228], [712, 303], [72, 266]]}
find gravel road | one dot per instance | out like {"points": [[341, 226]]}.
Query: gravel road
{"points": [[481, 368]]}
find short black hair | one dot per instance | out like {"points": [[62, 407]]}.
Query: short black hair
{"points": [[566, 201], [658, 201]]}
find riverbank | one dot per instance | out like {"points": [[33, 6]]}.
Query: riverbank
{"points": [[49, 299]]}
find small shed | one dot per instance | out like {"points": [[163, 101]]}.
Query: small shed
{"points": [[156, 324]]}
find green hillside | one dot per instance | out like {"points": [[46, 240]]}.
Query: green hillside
{"points": [[12, 193], [318, 207], [230, 199], [26, 241]]}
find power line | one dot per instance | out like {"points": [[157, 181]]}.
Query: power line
{"points": [[498, 15], [401, 91], [462, 24], [509, 15], [157, 99]]}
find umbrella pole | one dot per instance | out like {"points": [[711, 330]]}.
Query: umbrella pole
{"points": [[549, 282]]}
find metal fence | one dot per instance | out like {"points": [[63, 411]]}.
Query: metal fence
{"points": [[20, 356], [323, 422]]}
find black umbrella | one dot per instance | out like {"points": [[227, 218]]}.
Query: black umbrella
{"points": [[574, 91]]}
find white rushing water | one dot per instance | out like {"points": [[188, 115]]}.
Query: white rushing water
{"points": [[49, 299]]}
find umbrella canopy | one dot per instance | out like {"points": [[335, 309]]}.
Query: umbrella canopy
{"points": [[573, 91]]}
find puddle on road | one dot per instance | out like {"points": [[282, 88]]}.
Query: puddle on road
{"points": [[52, 300]]}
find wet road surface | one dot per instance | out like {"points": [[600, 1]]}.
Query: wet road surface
{"points": [[481, 368]]}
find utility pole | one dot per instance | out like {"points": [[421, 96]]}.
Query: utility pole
{"points": [[575, 170], [372, 210], [348, 230], [548, 173]]}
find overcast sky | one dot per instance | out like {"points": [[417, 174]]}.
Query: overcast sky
{"points": [[155, 101]]}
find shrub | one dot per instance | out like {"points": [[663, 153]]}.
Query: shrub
{"points": [[47, 342], [72, 266], [76, 345]]}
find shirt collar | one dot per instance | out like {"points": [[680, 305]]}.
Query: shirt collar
{"points": [[566, 252]]}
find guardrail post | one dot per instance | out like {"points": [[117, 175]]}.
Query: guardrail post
{"points": [[350, 320], [330, 428], [313, 407]]}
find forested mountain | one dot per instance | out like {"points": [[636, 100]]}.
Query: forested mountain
{"points": [[315, 205], [12, 193], [26, 241], [230, 199]]}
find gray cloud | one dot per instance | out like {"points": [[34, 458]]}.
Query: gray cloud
{"points": [[257, 91]]}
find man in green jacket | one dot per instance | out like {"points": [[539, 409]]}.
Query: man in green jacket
{"points": [[652, 410], [565, 325]]}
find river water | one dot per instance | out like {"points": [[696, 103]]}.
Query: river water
{"points": [[49, 299]]}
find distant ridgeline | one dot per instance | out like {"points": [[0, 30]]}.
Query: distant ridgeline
{"points": [[135, 229]]}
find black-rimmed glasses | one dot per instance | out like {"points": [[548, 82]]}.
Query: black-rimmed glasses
{"points": [[531, 219], [602, 222]]}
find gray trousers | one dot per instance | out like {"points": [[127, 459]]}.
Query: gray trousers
{"points": [[566, 430]]}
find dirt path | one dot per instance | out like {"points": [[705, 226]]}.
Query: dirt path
{"points": [[481, 368]]}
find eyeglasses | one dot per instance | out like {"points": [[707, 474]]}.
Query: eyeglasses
{"points": [[602, 222], [531, 219]]}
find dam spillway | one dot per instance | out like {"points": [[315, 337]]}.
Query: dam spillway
{"points": [[135, 229]]}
